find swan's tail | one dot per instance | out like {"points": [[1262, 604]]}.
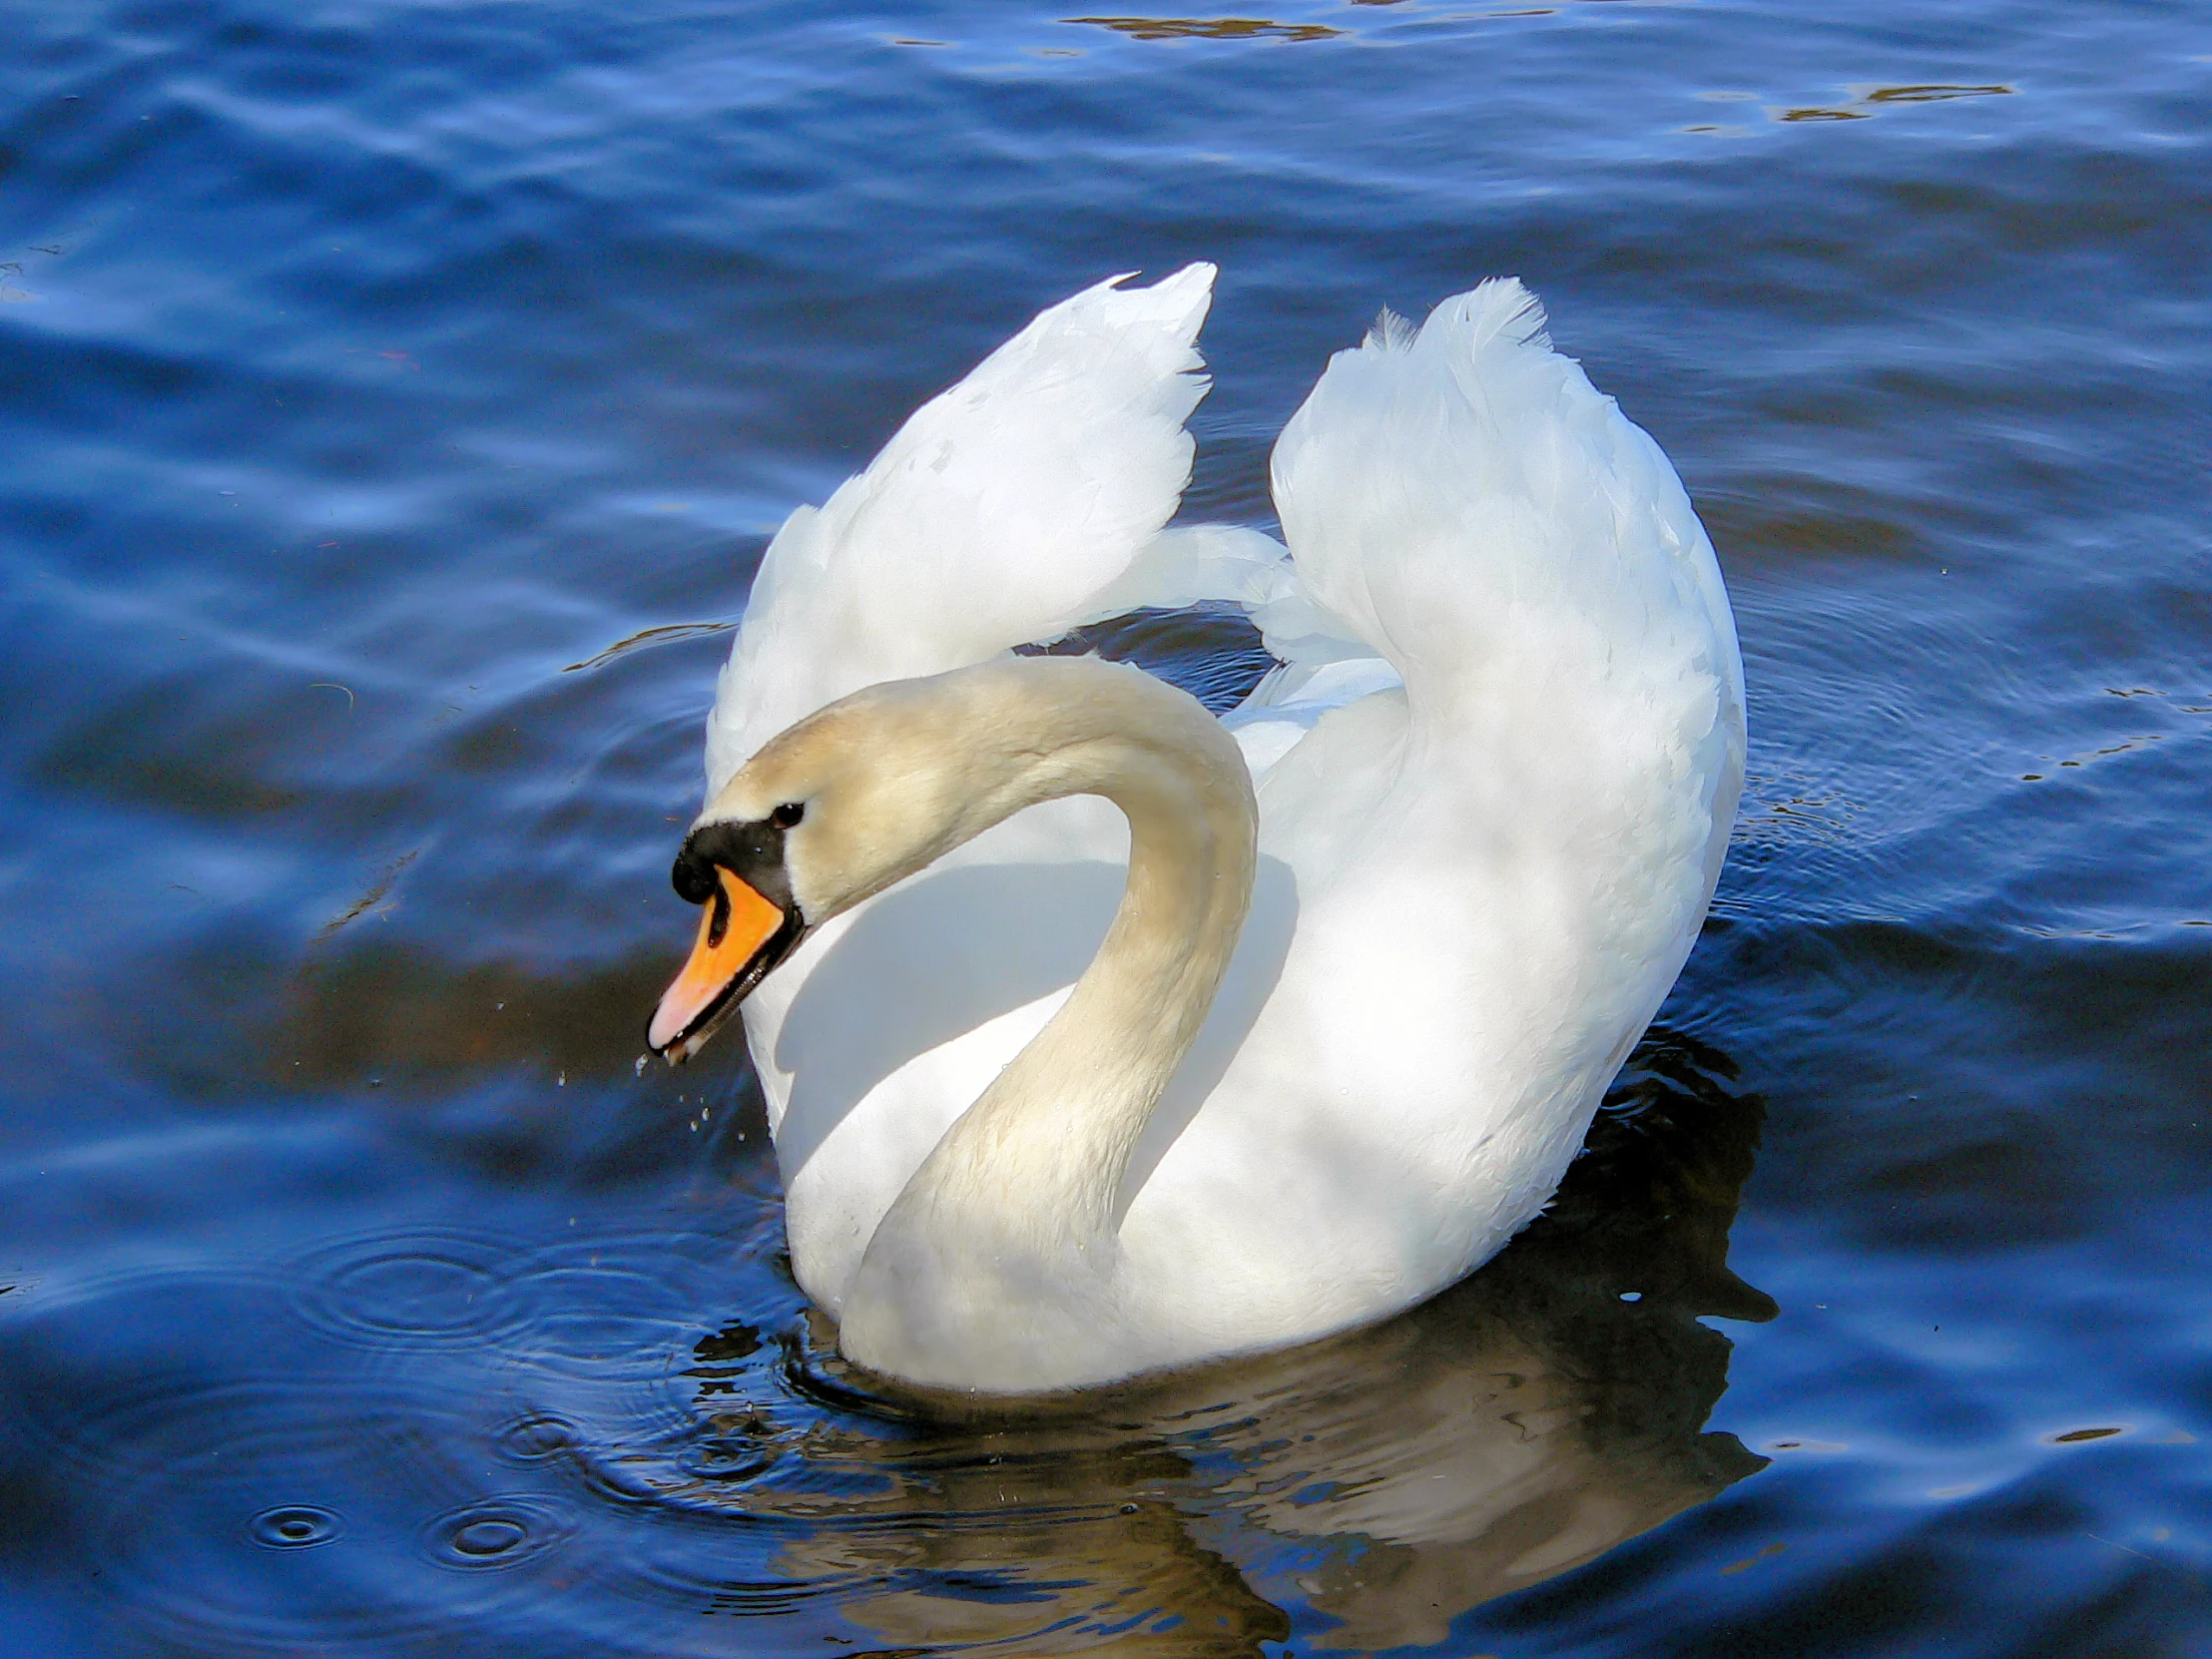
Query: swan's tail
{"points": [[1464, 503], [1008, 509]]}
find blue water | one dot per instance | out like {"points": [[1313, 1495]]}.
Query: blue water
{"points": [[375, 378]]}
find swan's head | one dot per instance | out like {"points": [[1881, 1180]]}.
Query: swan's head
{"points": [[834, 809]]}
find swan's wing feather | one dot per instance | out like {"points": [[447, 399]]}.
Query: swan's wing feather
{"points": [[996, 515], [1195, 564], [1443, 491]]}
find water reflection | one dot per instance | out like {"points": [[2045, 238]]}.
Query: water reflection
{"points": [[1514, 1428], [1868, 100], [1209, 28]]}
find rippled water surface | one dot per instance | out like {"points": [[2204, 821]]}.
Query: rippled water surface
{"points": [[395, 400]]}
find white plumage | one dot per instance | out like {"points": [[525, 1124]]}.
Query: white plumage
{"points": [[1495, 780]]}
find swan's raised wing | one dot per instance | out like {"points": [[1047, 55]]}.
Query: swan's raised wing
{"points": [[1474, 523], [1489, 875], [999, 515], [1455, 495]]}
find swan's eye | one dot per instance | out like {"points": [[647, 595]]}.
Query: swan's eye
{"points": [[788, 815]]}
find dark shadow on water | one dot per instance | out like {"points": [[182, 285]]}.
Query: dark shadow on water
{"points": [[1216, 655]]}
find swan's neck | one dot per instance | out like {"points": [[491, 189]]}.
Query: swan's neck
{"points": [[1051, 1137], [1011, 1218]]}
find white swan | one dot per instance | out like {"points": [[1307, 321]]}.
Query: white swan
{"points": [[1476, 820]]}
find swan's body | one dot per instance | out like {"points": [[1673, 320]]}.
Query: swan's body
{"points": [[1492, 789]]}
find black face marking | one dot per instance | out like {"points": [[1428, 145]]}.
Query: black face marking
{"points": [[753, 853]]}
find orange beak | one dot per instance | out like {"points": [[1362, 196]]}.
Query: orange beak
{"points": [[729, 959]]}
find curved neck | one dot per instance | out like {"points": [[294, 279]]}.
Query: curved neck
{"points": [[1052, 1134], [1054, 1131], [1027, 1180]]}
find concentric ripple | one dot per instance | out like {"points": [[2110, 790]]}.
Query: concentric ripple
{"points": [[281, 1520], [497, 1535], [412, 1290], [536, 1436], [296, 1526]]}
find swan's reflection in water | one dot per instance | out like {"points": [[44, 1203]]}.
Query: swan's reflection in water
{"points": [[376, 1443], [1381, 1483]]}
